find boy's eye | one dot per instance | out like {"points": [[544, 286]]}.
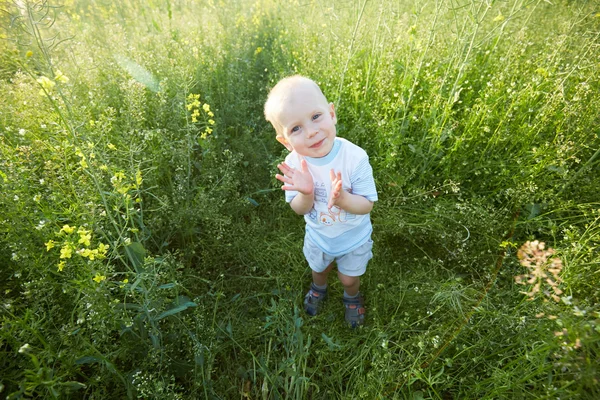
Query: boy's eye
{"points": [[295, 129], [316, 116]]}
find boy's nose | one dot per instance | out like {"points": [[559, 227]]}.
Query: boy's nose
{"points": [[314, 129]]}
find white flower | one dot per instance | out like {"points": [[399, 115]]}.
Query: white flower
{"points": [[25, 348]]}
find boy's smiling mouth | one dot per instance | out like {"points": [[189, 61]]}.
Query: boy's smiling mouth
{"points": [[318, 144]]}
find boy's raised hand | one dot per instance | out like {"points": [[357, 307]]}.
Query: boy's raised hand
{"points": [[336, 187], [296, 179]]}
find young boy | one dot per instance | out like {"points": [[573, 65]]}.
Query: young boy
{"points": [[330, 181]]}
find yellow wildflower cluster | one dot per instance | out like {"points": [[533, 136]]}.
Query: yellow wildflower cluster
{"points": [[193, 105], [72, 237], [123, 185], [542, 271], [48, 84], [82, 158], [60, 77]]}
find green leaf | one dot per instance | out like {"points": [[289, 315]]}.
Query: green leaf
{"points": [[129, 306], [176, 310], [156, 26], [533, 210], [252, 201], [136, 253], [330, 342], [199, 358], [73, 386], [167, 286], [418, 395], [138, 72], [87, 360]]}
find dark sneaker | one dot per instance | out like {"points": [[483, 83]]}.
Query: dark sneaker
{"points": [[355, 311], [313, 300]]}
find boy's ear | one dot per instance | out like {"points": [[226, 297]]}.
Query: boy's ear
{"points": [[332, 112], [283, 141]]}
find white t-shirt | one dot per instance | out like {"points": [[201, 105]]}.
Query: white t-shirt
{"points": [[337, 232]]}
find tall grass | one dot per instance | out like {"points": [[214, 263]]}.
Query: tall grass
{"points": [[146, 250]]}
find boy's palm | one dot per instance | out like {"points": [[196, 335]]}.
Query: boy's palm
{"points": [[296, 179], [336, 187]]}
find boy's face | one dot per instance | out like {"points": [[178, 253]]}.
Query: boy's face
{"points": [[308, 122]]}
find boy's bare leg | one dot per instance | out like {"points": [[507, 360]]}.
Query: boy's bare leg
{"points": [[320, 278], [318, 291], [353, 302], [350, 283]]}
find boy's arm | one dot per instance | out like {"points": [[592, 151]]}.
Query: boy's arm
{"points": [[353, 203], [302, 203], [299, 180], [349, 202]]}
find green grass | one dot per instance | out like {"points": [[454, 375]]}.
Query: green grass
{"points": [[481, 123]]}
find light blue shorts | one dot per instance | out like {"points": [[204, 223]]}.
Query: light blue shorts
{"points": [[350, 264]]}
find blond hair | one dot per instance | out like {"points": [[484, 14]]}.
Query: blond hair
{"points": [[280, 93]]}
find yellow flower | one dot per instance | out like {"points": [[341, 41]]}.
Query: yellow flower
{"points": [[120, 175], [91, 254], [112, 146], [99, 278], [60, 77], [66, 251], [103, 248], [67, 229], [210, 121], [83, 163], [125, 280], [46, 83], [499, 17], [138, 178], [206, 108], [61, 266], [124, 189], [49, 244], [84, 236], [29, 54]]}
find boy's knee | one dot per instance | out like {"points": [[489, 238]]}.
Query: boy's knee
{"points": [[348, 281]]}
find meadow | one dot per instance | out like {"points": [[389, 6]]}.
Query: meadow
{"points": [[146, 250]]}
